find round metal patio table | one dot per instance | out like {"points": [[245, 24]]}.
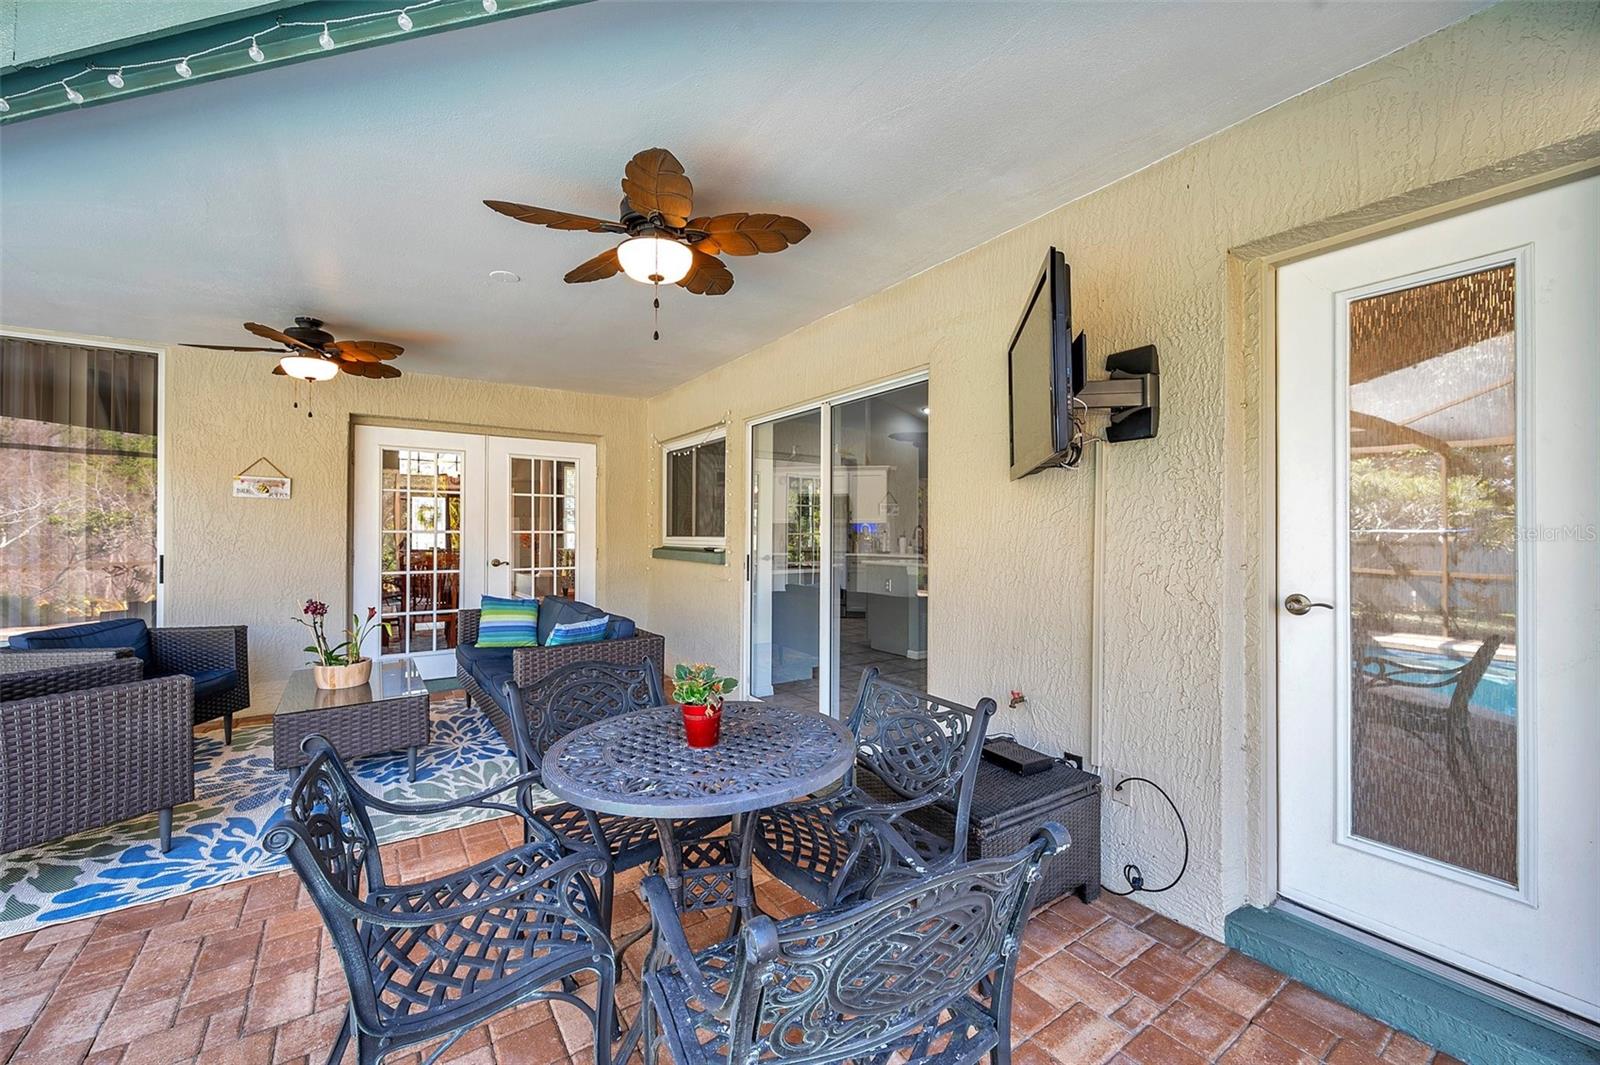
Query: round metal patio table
{"points": [[638, 765]]}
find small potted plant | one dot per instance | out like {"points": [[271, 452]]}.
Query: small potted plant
{"points": [[699, 691], [340, 665]]}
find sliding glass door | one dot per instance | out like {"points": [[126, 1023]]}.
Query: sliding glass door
{"points": [[786, 571], [838, 548], [77, 484]]}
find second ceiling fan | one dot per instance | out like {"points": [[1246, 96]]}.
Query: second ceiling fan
{"points": [[666, 243]]}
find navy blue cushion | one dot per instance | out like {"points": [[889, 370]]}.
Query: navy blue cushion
{"points": [[214, 681], [489, 666], [556, 610], [123, 632]]}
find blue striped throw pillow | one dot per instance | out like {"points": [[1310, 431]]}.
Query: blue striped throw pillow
{"points": [[508, 622], [590, 631]]}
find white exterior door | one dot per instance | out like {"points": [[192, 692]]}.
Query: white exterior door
{"points": [[439, 519], [1439, 720], [540, 518]]}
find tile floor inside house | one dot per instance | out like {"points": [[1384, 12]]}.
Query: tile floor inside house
{"points": [[244, 973]]}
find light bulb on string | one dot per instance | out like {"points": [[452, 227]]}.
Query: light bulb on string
{"points": [[73, 95], [114, 79], [325, 38], [5, 105], [405, 21], [256, 54], [491, 6], [183, 68]]}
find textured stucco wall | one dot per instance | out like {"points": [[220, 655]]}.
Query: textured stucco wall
{"points": [[1185, 633], [239, 560]]}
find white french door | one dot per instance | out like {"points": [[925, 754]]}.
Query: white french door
{"points": [[1439, 590], [439, 519]]}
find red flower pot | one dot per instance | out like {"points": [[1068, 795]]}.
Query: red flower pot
{"points": [[702, 725]]}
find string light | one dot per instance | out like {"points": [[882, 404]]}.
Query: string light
{"points": [[114, 76], [491, 6]]}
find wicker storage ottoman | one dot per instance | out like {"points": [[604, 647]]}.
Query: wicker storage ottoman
{"points": [[1007, 810]]}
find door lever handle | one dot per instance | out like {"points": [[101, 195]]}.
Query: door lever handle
{"points": [[1300, 605], [498, 562]]}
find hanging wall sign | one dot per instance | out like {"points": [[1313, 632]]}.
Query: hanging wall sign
{"points": [[247, 485]]}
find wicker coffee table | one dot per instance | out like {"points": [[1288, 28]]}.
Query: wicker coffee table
{"points": [[388, 713]]}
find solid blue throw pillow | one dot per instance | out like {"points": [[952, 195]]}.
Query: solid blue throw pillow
{"points": [[591, 631], [508, 622]]}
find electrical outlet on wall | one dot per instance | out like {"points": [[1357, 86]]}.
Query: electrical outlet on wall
{"points": [[1109, 779]]}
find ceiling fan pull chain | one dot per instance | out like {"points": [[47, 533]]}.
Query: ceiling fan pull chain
{"points": [[657, 302]]}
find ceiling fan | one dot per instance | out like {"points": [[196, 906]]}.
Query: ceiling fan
{"points": [[311, 354], [666, 243]]}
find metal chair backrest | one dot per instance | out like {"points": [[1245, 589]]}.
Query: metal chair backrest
{"points": [[573, 696], [833, 987], [915, 743]]}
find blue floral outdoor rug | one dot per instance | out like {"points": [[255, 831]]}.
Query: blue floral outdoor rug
{"points": [[217, 838]]}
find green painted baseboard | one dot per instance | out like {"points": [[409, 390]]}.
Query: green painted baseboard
{"points": [[1473, 1027]]}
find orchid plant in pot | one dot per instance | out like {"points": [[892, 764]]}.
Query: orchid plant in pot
{"points": [[699, 692], [339, 665]]}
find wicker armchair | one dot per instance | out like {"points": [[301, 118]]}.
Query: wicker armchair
{"points": [[922, 975], [529, 664], [90, 744], [912, 750], [438, 958], [217, 658], [569, 698]]}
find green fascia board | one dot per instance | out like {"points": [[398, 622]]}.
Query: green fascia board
{"points": [[280, 46], [55, 31], [1446, 1015]]}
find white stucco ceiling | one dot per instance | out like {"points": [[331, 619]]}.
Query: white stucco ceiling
{"points": [[349, 187]]}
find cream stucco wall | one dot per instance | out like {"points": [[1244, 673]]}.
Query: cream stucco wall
{"points": [[235, 560], [1511, 92]]}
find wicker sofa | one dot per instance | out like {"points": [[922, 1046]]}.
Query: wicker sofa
{"points": [[216, 658], [484, 671], [85, 742]]}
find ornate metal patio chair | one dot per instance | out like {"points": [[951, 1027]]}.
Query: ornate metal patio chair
{"points": [[912, 749], [923, 974], [434, 959], [566, 699]]}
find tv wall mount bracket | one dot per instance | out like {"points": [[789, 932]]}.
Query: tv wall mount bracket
{"points": [[1132, 393]]}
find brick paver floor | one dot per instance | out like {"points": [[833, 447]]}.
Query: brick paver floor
{"points": [[244, 973]]}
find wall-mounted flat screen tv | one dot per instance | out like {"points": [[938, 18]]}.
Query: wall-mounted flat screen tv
{"points": [[1043, 376]]}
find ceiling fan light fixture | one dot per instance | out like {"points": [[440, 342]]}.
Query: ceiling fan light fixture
{"points": [[653, 259], [309, 367]]}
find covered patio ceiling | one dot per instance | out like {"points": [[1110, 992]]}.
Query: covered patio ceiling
{"points": [[349, 188]]}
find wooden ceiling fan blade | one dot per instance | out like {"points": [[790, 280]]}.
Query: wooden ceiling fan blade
{"points": [[602, 266], [229, 347], [544, 216], [279, 371], [367, 350], [749, 234], [655, 184], [268, 333], [708, 276]]}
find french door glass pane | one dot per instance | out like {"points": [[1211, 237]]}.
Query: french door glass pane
{"points": [[1433, 571], [77, 484], [421, 560], [544, 506]]}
